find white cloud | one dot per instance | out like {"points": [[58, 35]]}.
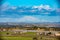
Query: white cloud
{"points": [[40, 7], [32, 19], [32, 11], [35, 7], [29, 19], [5, 6], [47, 7], [13, 7]]}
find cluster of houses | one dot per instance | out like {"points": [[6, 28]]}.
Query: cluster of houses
{"points": [[39, 30], [30, 28]]}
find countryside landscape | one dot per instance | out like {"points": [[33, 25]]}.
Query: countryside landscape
{"points": [[29, 19], [22, 31]]}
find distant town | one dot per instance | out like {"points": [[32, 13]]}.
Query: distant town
{"points": [[50, 30]]}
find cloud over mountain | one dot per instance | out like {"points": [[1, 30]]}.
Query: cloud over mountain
{"points": [[29, 19]]}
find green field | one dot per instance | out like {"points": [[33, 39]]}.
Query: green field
{"points": [[24, 36], [16, 38]]}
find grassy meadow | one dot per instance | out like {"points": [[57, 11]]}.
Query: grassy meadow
{"points": [[24, 36]]}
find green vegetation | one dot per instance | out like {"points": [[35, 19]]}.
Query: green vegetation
{"points": [[31, 33], [27, 38], [16, 38], [24, 36]]}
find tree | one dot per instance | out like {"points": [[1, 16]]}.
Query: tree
{"points": [[35, 27]]}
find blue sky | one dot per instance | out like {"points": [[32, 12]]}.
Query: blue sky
{"points": [[30, 11], [52, 3]]}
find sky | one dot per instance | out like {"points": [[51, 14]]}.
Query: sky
{"points": [[52, 3], [35, 11]]}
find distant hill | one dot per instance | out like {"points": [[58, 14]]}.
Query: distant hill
{"points": [[43, 24]]}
